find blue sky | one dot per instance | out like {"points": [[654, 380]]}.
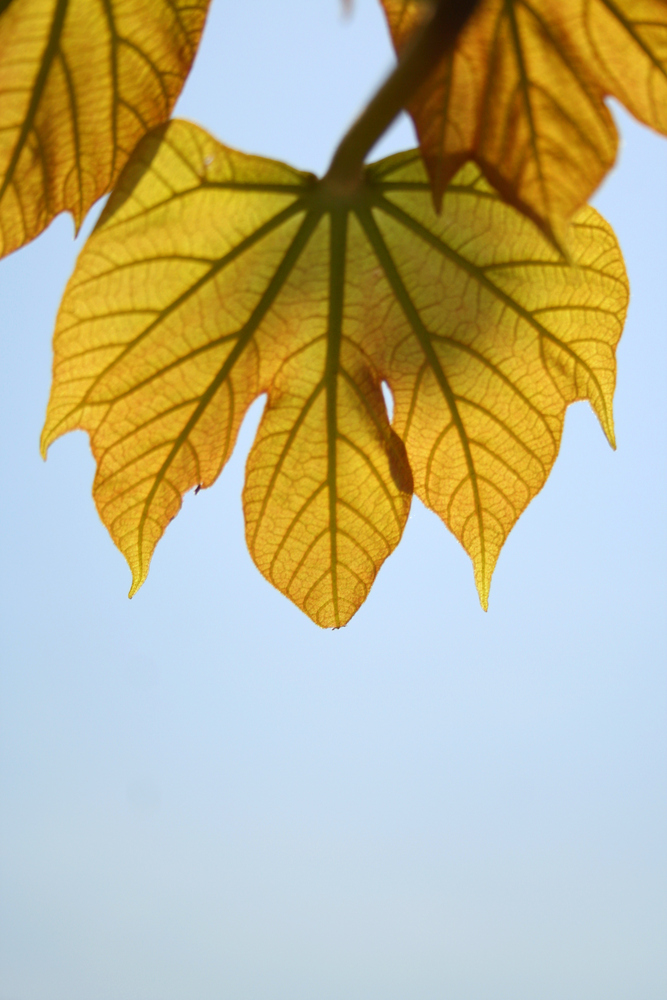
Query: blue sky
{"points": [[205, 795]]}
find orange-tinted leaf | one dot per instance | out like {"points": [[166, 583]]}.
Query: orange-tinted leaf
{"points": [[523, 95], [213, 277], [625, 42], [81, 81]]}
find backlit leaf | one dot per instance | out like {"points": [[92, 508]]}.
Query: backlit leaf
{"points": [[523, 95], [81, 81], [213, 277]]}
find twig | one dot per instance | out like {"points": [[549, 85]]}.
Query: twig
{"points": [[419, 58]]}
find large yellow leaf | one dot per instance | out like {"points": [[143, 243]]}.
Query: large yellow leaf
{"points": [[81, 81], [213, 277], [523, 95]]}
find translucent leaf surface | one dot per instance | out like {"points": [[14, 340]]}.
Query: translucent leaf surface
{"points": [[213, 277], [523, 95], [81, 81]]}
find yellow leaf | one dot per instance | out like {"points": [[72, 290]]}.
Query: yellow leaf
{"points": [[625, 41], [523, 96], [81, 81], [213, 277]]}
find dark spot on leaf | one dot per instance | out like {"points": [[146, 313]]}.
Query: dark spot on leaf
{"points": [[399, 465]]}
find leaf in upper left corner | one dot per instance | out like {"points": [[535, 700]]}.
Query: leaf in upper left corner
{"points": [[81, 81]]}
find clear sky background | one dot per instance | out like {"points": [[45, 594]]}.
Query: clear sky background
{"points": [[205, 796]]}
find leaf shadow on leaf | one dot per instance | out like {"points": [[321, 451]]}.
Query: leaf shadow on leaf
{"points": [[132, 176]]}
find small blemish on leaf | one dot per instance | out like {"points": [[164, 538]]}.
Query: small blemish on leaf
{"points": [[399, 466]]}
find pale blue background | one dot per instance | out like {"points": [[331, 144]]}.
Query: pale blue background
{"points": [[204, 796]]}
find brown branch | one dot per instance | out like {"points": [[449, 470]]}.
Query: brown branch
{"points": [[421, 55]]}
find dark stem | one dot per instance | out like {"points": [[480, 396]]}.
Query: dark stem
{"points": [[421, 55]]}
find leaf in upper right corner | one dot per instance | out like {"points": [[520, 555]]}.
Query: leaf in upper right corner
{"points": [[523, 96]]}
